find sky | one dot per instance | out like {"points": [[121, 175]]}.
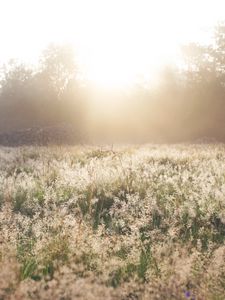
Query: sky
{"points": [[114, 39]]}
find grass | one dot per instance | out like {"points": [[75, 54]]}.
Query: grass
{"points": [[143, 222]]}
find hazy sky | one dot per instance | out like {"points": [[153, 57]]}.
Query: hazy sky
{"points": [[132, 36]]}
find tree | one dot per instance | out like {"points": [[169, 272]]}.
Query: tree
{"points": [[58, 68], [30, 97], [200, 63], [16, 95], [207, 63], [205, 75], [218, 51], [15, 78]]}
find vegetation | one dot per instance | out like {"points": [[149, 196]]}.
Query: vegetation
{"points": [[186, 104], [141, 222]]}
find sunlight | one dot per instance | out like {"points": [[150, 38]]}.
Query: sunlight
{"points": [[124, 43], [116, 40], [112, 68], [121, 40]]}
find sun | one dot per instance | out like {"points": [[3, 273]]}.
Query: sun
{"points": [[110, 67], [121, 45], [122, 40], [113, 68], [117, 40]]}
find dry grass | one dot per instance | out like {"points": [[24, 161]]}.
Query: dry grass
{"points": [[142, 222]]}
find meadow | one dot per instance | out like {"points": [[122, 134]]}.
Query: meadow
{"points": [[128, 222]]}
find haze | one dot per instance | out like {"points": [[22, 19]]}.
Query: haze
{"points": [[115, 41]]}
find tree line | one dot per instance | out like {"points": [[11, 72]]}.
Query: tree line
{"points": [[187, 104]]}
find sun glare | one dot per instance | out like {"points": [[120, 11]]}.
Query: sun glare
{"points": [[121, 40], [117, 40], [125, 42]]}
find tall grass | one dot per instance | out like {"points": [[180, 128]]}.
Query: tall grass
{"points": [[143, 222]]}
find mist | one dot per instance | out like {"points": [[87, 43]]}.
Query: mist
{"points": [[186, 103]]}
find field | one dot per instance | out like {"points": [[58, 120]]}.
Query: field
{"points": [[132, 222]]}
